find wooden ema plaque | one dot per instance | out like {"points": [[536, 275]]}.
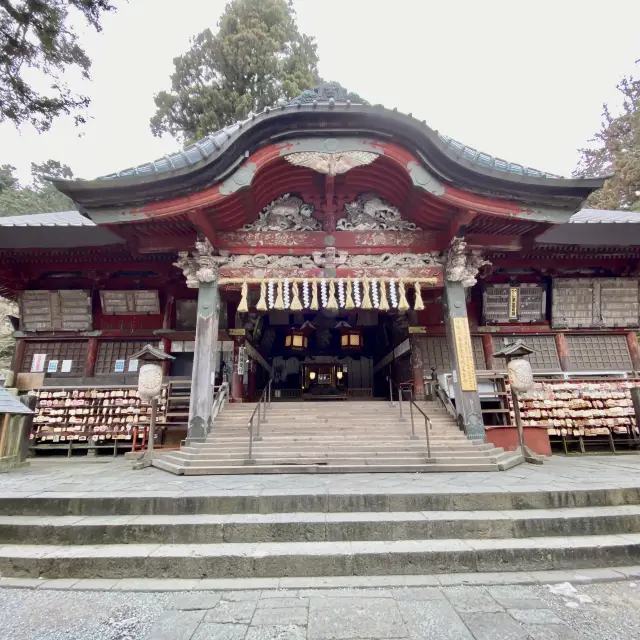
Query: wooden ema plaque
{"points": [[464, 354]]}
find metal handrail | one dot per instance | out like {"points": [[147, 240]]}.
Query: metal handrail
{"points": [[427, 421], [392, 384], [261, 411], [445, 400], [427, 424], [219, 400]]}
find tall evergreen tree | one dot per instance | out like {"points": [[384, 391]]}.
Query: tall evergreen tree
{"points": [[40, 196], [617, 151], [257, 57], [38, 35]]}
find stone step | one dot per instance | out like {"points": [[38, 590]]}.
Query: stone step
{"points": [[341, 461], [319, 440], [300, 447], [332, 430], [317, 527], [256, 469], [172, 502], [262, 452], [321, 458], [335, 558]]}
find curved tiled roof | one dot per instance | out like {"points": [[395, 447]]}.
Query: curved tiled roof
{"points": [[491, 162], [213, 142]]}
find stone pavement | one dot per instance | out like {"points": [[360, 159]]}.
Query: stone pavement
{"points": [[501, 612], [106, 476]]}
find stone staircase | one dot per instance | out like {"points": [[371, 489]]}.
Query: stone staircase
{"points": [[335, 437], [257, 534]]}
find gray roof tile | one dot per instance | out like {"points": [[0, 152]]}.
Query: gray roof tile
{"points": [[600, 216], [10, 404], [58, 219]]}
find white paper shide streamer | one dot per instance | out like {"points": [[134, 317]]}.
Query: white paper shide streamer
{"points": [[305, 294], [393, 293], [271, 294], [375, 295], [341, 294], [357, 300], [324, 296], [287, 293]]}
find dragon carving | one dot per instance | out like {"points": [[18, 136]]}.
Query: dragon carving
{"points": [[369, 212], [288, 213]]}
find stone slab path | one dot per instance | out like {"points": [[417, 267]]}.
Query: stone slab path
{"points": [[105, 476], [608, 611]]}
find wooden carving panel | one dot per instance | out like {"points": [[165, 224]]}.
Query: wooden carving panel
{"points": [[122, 303], [65, 310]]}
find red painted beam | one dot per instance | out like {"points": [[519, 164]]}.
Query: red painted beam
{"points": [[493, 242], [203, 221], [166, 243]]}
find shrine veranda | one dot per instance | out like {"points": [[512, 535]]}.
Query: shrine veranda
{"points": [[328, 246]]}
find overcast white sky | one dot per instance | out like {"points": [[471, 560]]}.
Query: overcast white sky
{"points": [[522, 81]]}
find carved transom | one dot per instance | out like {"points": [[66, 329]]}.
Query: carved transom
{"points": [[331, 258]]}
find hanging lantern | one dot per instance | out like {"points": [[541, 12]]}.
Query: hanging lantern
{"points": [[350, 338], [298, 339]]}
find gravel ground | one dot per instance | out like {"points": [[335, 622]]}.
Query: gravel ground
{"points": [[83, 615], [608, 611], [613, 614]]}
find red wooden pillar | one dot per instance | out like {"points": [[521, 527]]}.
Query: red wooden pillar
{"points": [[487, 348], [634, 349], [418, 367], [237, 387], [92, 357], [563, 351], [166, 347], [167, 319]]}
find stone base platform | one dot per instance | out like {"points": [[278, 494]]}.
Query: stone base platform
{"points": [[77, 520]]}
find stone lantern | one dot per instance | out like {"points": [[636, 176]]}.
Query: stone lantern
{"points": [[149, 390], [520, 381]]}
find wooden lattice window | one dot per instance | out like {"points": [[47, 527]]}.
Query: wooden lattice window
{"points": [[544, 357], [111, 352], [435, 353], [67, 357], [599, 352]]}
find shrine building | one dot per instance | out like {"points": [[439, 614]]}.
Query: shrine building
{"points": [[337, 256]]}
